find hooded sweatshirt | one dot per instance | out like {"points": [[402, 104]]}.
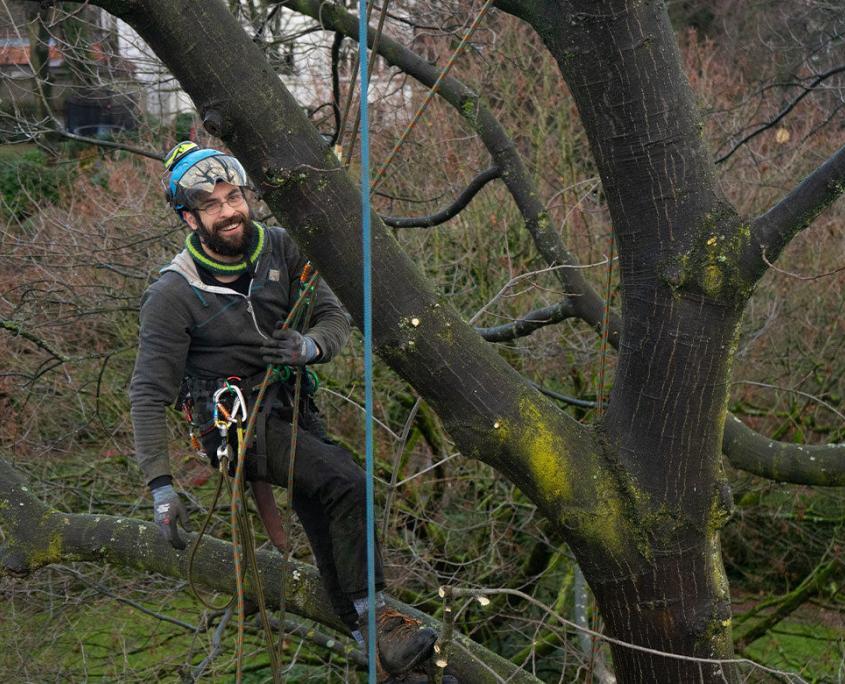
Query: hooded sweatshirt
{"points": [[206, 332]]}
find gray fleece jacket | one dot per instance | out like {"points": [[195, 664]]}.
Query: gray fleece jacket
{"points": [[206, 332]]}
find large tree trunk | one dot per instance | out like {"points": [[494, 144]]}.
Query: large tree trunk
{"points": [[682, 294]]}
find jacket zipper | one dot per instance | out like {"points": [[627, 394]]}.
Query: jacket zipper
{"points": [[249, 302]]}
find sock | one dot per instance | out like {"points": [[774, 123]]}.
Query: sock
{"points": [[361, 604]]}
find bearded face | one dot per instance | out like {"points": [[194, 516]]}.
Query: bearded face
{"points": [[229, 236], [223, 222]]}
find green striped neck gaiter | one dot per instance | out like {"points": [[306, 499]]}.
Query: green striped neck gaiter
{"points": [[209, 263]]}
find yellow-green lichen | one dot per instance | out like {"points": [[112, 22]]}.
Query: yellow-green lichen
{"points": [[713, 263], [52, 554], [546, 453], [606, 523], [711, 280]]}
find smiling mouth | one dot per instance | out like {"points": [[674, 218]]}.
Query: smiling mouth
{"points": [[229, 228]]}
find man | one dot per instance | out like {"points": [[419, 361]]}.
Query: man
{"points": [[214, 314]]}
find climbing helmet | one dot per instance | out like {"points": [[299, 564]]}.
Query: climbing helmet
{"points": [[191, 172]]}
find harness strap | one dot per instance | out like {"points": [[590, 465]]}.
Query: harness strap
{"points": [[260, 444]]}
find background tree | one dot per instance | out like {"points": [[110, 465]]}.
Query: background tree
{"points": [[640, 497]]}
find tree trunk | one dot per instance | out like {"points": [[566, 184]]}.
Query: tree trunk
{"points": [[683, 290]]}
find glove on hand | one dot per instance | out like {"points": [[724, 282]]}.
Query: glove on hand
{"points": [[168, 510], [289, 348]]}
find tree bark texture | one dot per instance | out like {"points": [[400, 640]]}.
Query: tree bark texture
{"points": [[794, 213]]}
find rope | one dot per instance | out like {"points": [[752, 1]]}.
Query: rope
{"points": [[366, 237], [243, 539], [305, 289], [193, 552]]}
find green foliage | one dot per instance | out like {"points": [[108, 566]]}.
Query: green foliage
{"points": [[182, 125], [28, 181]]}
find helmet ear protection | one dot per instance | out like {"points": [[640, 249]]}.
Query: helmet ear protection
{"points": [[191, 172], [170, 160]]}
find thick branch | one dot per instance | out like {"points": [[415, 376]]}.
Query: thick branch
{"points": [[772, 231], [796, 463], [37, 536], [452, 210]]}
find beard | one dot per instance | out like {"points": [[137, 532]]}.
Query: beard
{"points": [[222, 243]]}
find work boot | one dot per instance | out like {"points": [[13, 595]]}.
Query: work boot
{"points": [[401, 641]]}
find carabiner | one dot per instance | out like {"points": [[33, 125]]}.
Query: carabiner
{"points": [[238, 412], [239, 406]]}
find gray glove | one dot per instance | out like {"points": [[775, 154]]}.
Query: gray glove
{"points": [[289, 348], [168, 510]]}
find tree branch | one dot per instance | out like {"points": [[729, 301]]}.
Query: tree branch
{"points": [[782, 113], [533, 320], [18, 330], [37, 536], [452, 210], [747, 450], [109, 144], [813, 584], [772, 231]]}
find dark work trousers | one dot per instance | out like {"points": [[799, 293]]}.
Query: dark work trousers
{"points": [[329, 497]]}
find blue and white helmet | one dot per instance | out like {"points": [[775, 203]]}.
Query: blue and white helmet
{"points": [[192, 173]]}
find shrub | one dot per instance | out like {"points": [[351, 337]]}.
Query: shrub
{"points": [[28, 180]]}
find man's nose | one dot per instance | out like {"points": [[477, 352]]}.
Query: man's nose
{"points": [[226, 210]]}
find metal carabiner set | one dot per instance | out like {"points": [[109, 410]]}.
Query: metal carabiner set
{"points": [[237, 415]]}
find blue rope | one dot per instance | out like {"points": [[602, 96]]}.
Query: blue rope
{"points": [[368, 339]]}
